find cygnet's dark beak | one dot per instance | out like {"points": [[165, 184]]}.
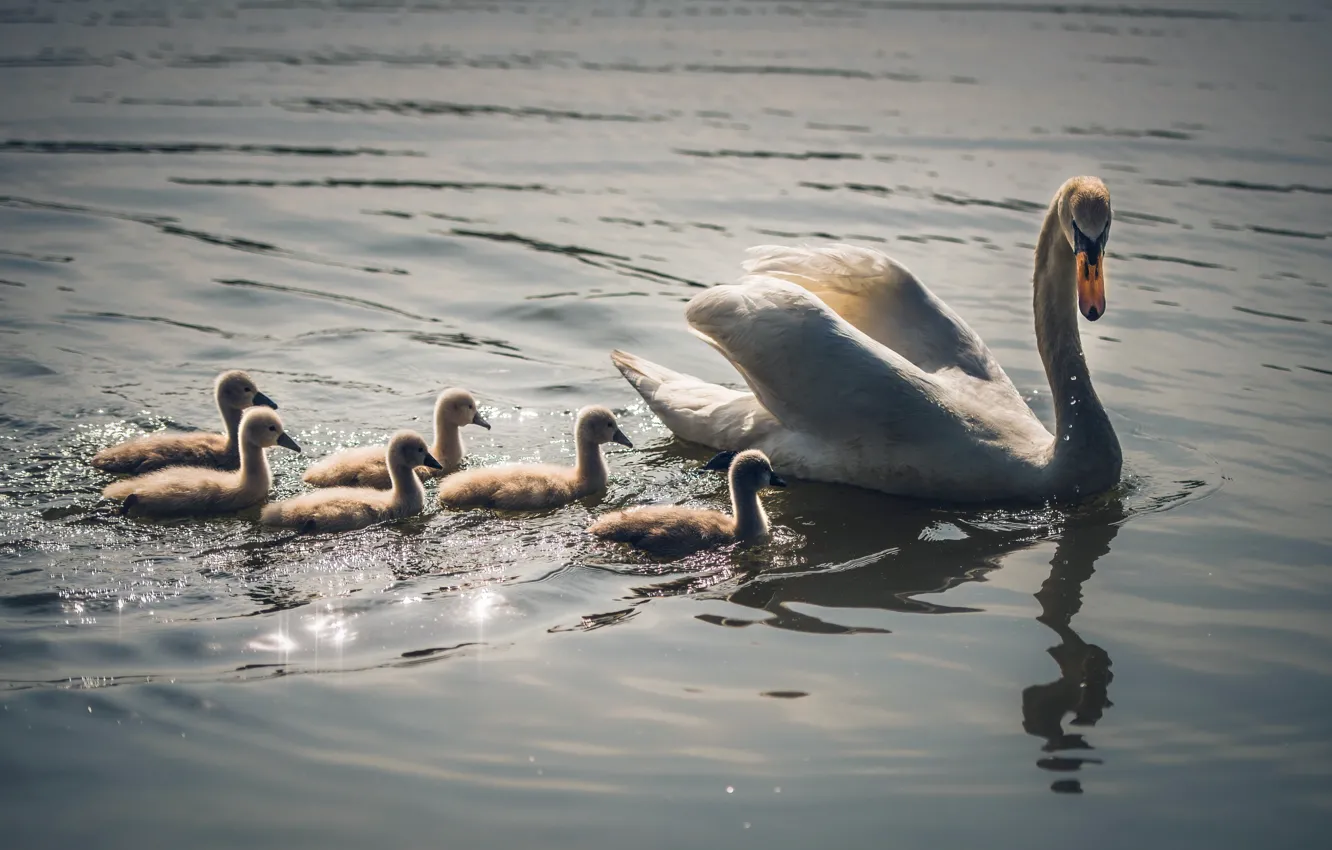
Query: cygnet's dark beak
{"points": [[431, 462], [720, 462], [260, 398], [478, 419], [286, 442], [620, 438], [775, 481]]}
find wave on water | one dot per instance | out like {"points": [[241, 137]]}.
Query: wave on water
{"points": [[91, 147]]}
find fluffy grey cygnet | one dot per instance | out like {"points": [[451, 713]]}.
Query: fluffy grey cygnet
{"points": [[529, 487], [673, 530], [348, 508], [198, 490], [366, 466], [234, 391]]}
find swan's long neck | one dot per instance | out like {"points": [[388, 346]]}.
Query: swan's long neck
{"points": [[1086, 452], [408, 493], [255, 476], [231, 418], [448, 447], [750, 518], [590, 469]]}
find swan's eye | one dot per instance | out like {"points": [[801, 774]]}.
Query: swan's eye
{"points": [[272, 427]]}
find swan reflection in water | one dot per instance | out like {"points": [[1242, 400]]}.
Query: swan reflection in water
{"points": [[924, 565], [1082, 688]]}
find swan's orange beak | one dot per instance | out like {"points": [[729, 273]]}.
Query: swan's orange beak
{"points": [[1091, 286]]}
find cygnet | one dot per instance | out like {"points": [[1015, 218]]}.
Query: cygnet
{"points": [[235, 391], [366, 467], [528, 487], [673, 530], [347, 508], [198, 490]]}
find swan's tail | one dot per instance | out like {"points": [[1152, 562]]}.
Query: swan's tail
{"points": [[645, 375], [693, 409]]}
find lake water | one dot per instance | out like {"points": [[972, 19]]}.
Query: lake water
{"points": [[364, 202]]}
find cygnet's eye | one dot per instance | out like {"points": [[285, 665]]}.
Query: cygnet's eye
{"points": [[272, 427]]}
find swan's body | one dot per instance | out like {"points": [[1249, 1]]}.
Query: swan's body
{"points": [[530, 487], [348, 508], [198, 491], [366, 466], [234, 392], [860, 375], [674, 530]]}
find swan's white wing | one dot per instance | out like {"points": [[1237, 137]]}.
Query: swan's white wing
{"points": [[883, 299], [814, 371]]}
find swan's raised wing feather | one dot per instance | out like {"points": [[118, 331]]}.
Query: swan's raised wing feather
{"points": [[882, 298], [813, 370]]}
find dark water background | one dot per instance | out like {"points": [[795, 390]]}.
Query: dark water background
{"points": [[361, 203]]}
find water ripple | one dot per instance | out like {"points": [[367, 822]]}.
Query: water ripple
{"points": [[347, 105], [362, 183], [90, 147], [760, 154], [326, 296], [590, 256]]}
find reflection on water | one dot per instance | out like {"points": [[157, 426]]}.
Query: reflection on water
{"points": [[894, 581], [1084, 669]]}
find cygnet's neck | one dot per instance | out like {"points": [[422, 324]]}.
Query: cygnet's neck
{"points": [[231, 418], [590, 469], [408, 494], [448, 447], [750, 518], [255, 476]]}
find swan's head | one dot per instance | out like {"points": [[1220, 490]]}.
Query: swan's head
{"points": [[596, 425], [1084, 213], [457, 407], [235, 390], [407, 450], [749, 470], [261, 427]]}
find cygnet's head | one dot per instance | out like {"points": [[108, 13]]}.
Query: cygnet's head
{"points": [[235, 390], [597, 425], [408, 450], [457, 407], [1084, 215], [749, 470], [262, 427]]}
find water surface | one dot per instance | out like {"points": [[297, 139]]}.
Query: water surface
{"points": [[361, 203]]}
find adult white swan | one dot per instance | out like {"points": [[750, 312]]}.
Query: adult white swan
{"points": [[860, 375]]}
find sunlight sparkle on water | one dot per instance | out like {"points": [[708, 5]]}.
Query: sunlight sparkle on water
{"points": [[482, 606], [331, 628], [275, 642]]}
